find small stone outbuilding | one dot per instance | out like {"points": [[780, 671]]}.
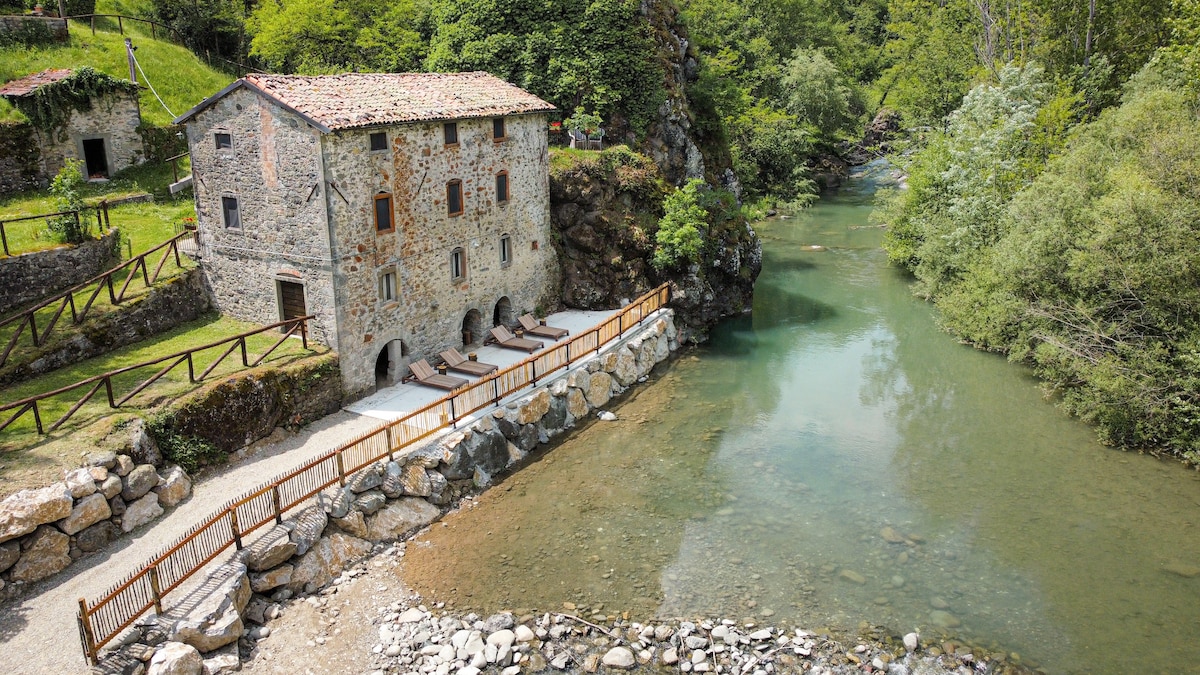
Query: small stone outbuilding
{"points": [[101, 130], [408, 212]]}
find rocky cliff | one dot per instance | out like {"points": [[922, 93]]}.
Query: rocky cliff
{"points": [[605, 209]]}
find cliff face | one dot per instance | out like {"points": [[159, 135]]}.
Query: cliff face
{"points": [[605, 209]]}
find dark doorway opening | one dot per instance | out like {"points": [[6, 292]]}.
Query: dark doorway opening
{"points": [[472, 328], [95, 158], [503, 314], [391, 363]]}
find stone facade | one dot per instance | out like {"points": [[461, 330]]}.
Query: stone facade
{"points": [[307, 199], [32, 276], [114, 118]]}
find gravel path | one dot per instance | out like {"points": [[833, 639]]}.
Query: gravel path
{"points": [[38, 630]]}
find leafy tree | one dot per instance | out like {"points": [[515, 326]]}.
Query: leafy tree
{"points": [[678, 238], [66, 190], [819, 95]]}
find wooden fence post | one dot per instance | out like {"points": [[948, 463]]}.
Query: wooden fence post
{"points": [[85, 633], [278, 504], [154, 588], [341, 468], [233, 525]]}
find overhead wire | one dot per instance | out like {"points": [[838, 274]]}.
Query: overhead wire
{"points": [[152, 90]]}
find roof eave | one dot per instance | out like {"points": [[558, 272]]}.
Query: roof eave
{"points": [[434, 120], [237, 84]]}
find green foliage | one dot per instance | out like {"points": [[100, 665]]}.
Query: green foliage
{"points": [[69, 229], [51, 105], [588, 123], [189, 452], [819, 95], [215, 27], [27, 34], [325, 36], [678, 239]]}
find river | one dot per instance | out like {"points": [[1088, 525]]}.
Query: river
{"points": [[834, 460]]}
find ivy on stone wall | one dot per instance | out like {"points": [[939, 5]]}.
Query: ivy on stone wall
{"points": [[162, 142], [50, 106]]}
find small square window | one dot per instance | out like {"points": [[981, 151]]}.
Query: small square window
{"points": [[450, 131], [387, 287], [505, 251], [454, 198], [498, 129], [383, 213], [458, 265], [224, 141], [502, 187], [231, 212], [379, 141]]}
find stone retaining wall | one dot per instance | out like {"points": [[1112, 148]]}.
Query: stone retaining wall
{"points": [[20, 159], [32, 29], [29, 277], [392, 499]]}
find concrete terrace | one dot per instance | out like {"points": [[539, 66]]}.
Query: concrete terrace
{"points": [[398, 400]]}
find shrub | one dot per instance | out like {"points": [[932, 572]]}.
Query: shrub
{"points": [[69, 229], [679, 240]]}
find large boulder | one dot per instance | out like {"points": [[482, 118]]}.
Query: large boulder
{"points": [[367, 479], [599, 390], [80, 482], [625, 369], [176, 658], [89, 511], [274, 578], [487, 450], [401, 517], [577, 404], [141, 480], [45, 553], [533, 407], [415, 480], [216, 617], [327, 558], [22, 512], [141, 446], [10, 553], [271, 549], [353, 524], [306, 527], [140, 512], [174, 488], [97, 536]]}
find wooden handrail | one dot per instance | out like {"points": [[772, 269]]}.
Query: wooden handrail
{"points": [[94, 637]]}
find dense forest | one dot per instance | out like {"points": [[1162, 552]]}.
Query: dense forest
{"points": [[1051, 146]]}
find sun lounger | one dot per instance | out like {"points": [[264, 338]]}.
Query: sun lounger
{"points": [[532, 327], [424, 374], [506, 339], [461, 364]]}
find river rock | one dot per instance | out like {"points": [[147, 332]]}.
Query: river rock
{"points": [[599, 389], [79, 482], [354, 524], [306, 527], [140, 512], [269, 550], [44, 553], [111, 487], [944, 619], [97, 536], [176, 658], [938, 603], [87, 512], [524, 633], [439, 488], [415, 480], [502, 639], [24, 511], [271, 579], [619, 657], [533, 407], [401, 517], [911, 641], [670, 656], [325, 560], [141, 480], [393, 485], [891, 536], [216, 619], [174, 488], [336, 501], [852, 576], [10, 552]]}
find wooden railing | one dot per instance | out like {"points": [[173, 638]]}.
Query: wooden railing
{"points": [[103, 619], [30, 404], [155, 29], [58, 304], [101, 222]]}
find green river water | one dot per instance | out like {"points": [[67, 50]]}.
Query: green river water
{"points": [[833, 459]]}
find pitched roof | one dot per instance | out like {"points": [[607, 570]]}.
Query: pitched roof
{"points": [[28, 84], [353, 100]]}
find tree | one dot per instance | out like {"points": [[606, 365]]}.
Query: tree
{"points": [[678, 238], [819, 95]]}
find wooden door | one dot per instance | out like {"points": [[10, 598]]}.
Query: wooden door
{"points": [[291, 299]]}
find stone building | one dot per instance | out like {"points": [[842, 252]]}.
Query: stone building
{"points": [[104, 136], [407, 212]]}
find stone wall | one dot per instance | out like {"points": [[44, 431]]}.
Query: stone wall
{"points": [[32, 30], [393, 499], [114, 117], [164, 307], [20, 160], [30, 277]]}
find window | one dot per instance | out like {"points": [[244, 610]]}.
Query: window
{"points": [[450, 131], [498, 129], [383, 212], [502, 187], [458, 265], [387, 286], [454, 198], [378, 141], [229, 208], [505, 250], [224, 141]]}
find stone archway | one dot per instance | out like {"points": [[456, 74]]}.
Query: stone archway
{"points": [[391, 364], [503, 314], [472, 328]]}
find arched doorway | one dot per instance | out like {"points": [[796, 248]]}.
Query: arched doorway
{"points": [[472, 328], [503, 314], [390, 364]]}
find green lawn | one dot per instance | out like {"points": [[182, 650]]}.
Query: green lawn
{"points": [[179, 76]]}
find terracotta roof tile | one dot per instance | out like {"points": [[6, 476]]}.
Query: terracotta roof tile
{"points": [[356, 100], [26, 85]]}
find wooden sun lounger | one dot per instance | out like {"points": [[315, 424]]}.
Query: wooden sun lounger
{"points": [[532, 327], [506, 339], [424, 374], [461, 364]]}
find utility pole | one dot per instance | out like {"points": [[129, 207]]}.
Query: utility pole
{"points": [[132, 65]]}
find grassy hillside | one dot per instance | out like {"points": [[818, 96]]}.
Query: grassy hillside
{"points": [[180, 78]]}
